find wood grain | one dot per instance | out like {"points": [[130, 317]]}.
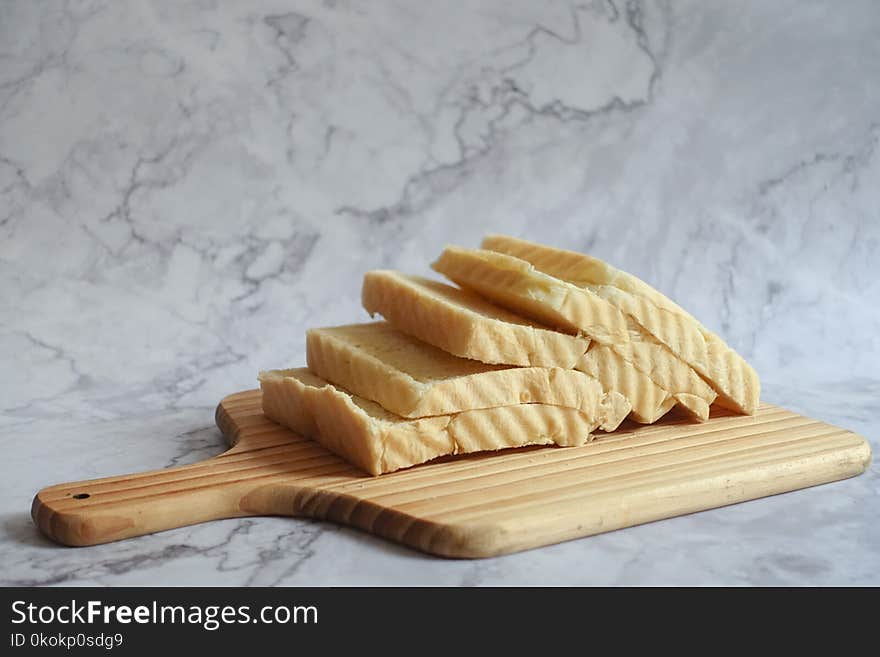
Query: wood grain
{"points": [[471, 506]]}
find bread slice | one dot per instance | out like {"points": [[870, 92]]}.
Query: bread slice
{"points": [[519, 286], [377, 441], [479, 330], [649, 402], [413, 379], [466, 325], [735, 381], [516, 285]]}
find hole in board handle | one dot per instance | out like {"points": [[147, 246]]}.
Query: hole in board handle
{"points": [[81, 496]]}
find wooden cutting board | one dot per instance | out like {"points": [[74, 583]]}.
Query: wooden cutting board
{"points": [[468, 506]]}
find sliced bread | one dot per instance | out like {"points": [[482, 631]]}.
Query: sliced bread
{"points": [[412, 379], [378, 441], [735, 381], [463, 323], [520, 287], [466, 325], [516, 285], [649, 401]]}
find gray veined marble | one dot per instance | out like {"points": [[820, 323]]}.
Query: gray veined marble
{"points": [[186, 186]]}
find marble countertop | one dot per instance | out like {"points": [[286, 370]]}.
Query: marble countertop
{"points": [[185, 187]]}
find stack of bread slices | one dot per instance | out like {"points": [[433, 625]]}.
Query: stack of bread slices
{"points": [[534, 346]]}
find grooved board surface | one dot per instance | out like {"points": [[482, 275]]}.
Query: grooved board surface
{"points": [[468, 506]]}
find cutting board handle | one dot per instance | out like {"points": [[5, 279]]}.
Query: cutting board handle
{"points": [[102, 510], [267, 471], [242, 481]]}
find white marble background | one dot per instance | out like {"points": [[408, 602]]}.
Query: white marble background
{"points": [[186, 186]]}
